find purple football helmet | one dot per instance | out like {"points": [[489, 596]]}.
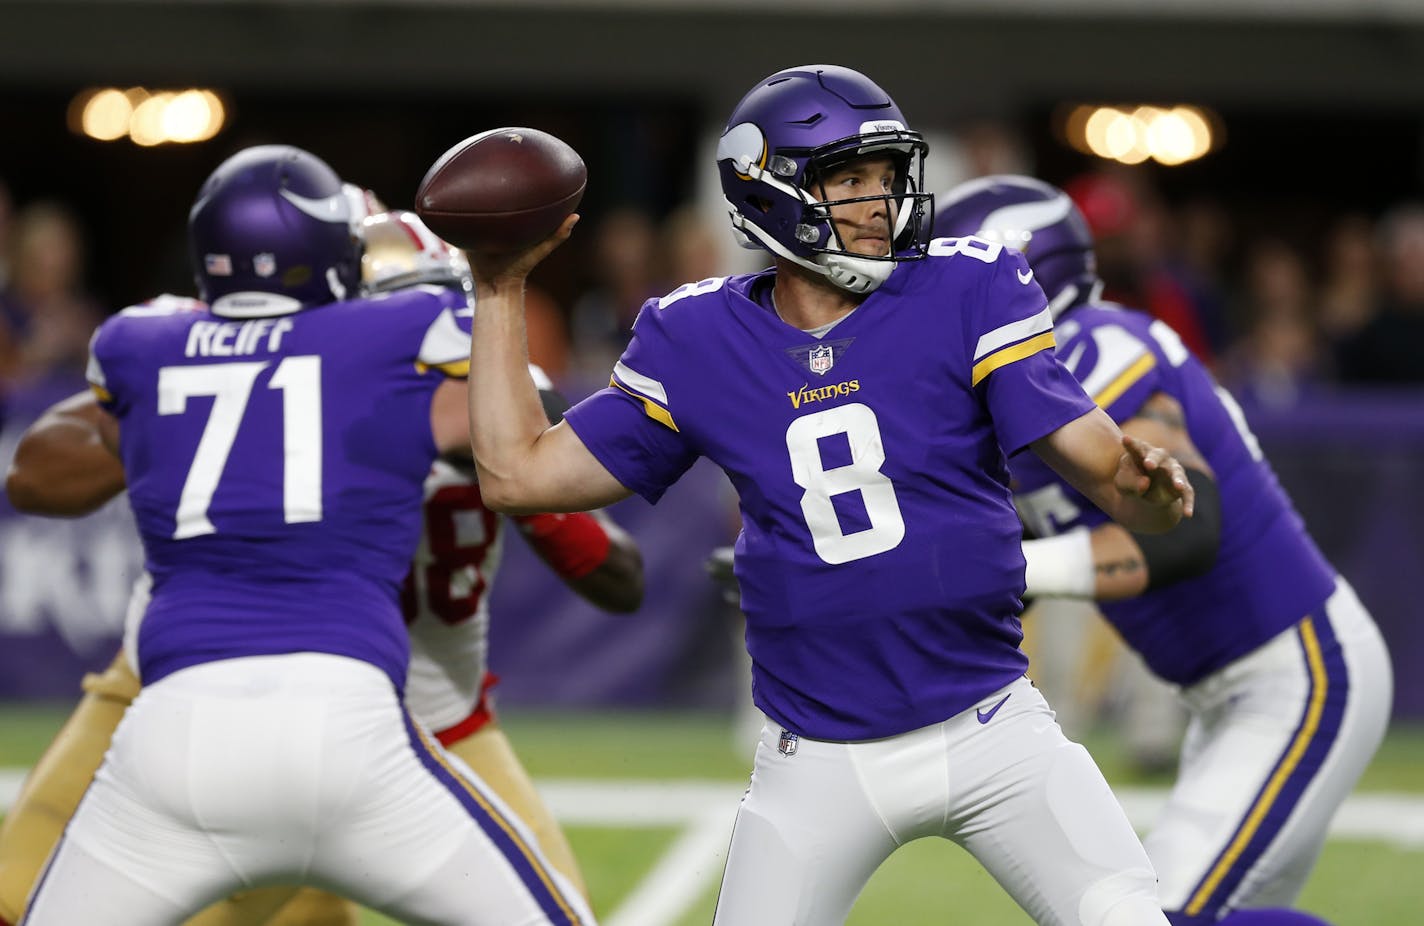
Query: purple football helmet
{"points": [[1033, 217], [791, 128], [271, 232]]}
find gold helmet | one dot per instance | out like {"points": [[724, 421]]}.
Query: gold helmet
{"points": [[401, 252]]}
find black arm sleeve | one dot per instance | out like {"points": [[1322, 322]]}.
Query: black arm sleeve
{"points": [[1189, 549]]}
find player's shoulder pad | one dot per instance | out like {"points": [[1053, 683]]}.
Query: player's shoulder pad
{"points": [[686, 309], [971, 253], [164, 305], [1093, 320], [1114, 352], [690, 294], [131, 329], [694, 311], [441, 318], [431, 324], [965, 264], [423, 297], [160, 313]]}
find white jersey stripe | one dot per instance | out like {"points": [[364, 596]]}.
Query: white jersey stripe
{"points": [[645, 386], [1118, 351], [1014, 331], [445, 341]]}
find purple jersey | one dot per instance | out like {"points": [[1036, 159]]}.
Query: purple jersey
{"points": [[1268, 572], [879, 560], [275, 468]]}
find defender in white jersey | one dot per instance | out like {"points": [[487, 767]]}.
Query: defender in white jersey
{"points": [[862, 397], [61, 469], [1284, 674]]}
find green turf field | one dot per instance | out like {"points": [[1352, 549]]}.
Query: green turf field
{"points": [[1359, 881]]}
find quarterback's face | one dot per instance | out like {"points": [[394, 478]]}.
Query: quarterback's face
{"points": [[864, 227]]}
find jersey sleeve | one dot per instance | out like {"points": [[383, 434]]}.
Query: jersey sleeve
{"points": [[1028, 392], [1118, 365], [631, 426], [104, 368], [123, 336], [446, 344]]}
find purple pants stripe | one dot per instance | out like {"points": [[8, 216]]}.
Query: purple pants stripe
{"points": [[524, 859], [1308, 748]]}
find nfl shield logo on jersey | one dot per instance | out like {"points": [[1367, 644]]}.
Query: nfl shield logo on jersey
{"points": [[821, 359], [787, 745], [264, 265]]}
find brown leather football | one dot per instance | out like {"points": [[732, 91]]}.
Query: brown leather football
{"points": [[501, 190]]}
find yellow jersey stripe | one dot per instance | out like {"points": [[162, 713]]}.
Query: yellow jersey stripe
{"points": [[1013, 332], [458, 369], [1313, 712], [1113, 390], [653, 409], [1010, 355], [439, 756], [103, 394]]}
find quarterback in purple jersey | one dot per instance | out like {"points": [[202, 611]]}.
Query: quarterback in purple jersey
{"points": [[1283, 672], [275, 448], [862, 396]]}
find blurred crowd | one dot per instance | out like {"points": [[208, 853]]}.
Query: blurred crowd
{"points": [[46, 312], [1278, 314]]}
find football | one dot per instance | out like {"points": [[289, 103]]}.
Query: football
{"points": [[501, 190]]}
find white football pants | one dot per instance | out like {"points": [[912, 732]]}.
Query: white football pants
{"points": [[1276, 742], [1030, 805], [300, 768]]}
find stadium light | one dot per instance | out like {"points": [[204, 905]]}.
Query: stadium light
{"points": [[147, 119], [1134, 134]]}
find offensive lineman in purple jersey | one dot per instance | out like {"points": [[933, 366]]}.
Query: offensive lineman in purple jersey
{"points": [[1284, 673], [861, 396], [275, 449]]}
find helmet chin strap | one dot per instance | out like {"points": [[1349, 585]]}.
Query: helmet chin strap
{"points": [[853, 274]]}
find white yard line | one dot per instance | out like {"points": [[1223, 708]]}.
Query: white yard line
{"points": [[671, 887], [10, 779]]}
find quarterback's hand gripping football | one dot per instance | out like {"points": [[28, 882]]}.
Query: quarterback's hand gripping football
{"points": [[506, 268], [1154, 475]]}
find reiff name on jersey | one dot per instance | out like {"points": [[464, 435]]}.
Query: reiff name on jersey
{"points": [[236, 339]]}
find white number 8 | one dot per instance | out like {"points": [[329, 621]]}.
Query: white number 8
{"points": [[887, 527]]}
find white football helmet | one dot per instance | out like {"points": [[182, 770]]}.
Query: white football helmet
{"points": [[401, 251]]}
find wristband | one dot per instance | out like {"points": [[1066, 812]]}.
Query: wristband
{"points": [[1061, 566], [572, 544]]}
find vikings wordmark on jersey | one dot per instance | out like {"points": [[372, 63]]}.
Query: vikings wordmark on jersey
{"points": [[881, 489]]}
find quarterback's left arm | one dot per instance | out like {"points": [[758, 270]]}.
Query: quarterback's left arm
{"points": [[67, 462], [1109, 562], [1139, 485]]}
